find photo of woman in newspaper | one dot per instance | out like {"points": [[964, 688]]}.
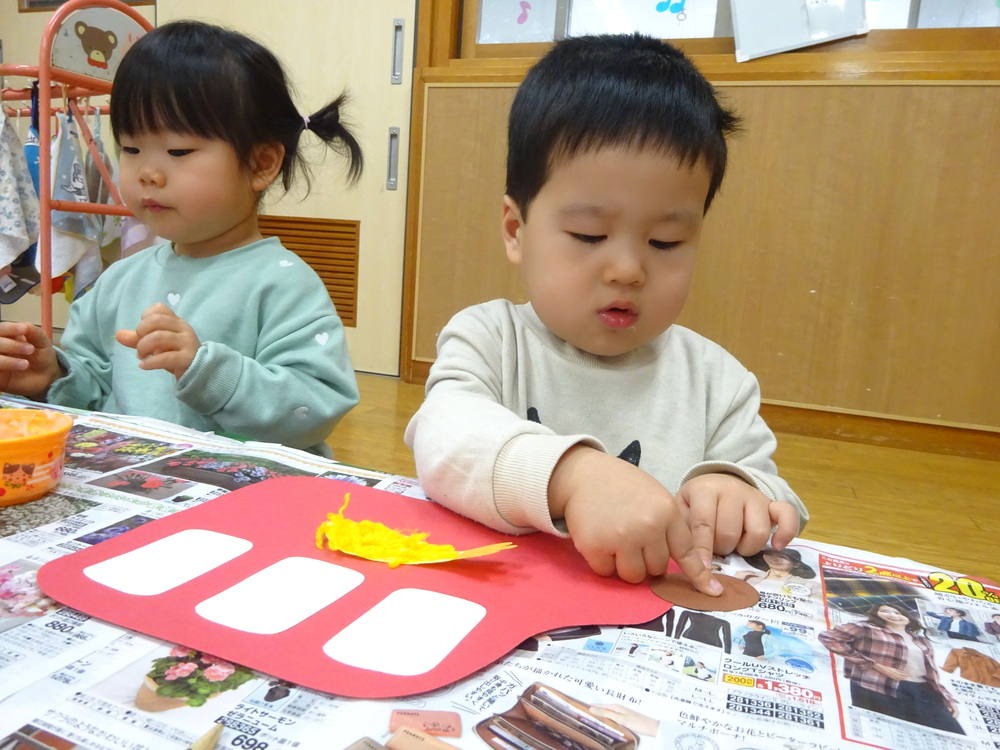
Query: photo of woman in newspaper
{"points": [[780, 572], [890, 665]]}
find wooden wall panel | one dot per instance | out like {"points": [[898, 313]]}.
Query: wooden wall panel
{"points": [[851, 259], [460, 257]]}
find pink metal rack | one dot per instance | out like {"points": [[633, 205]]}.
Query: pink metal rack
{"points": [[55, 83]]}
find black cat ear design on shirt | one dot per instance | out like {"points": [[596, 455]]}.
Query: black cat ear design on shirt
{"points": [[632, 452]]}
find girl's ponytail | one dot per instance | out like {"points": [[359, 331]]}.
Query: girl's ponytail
{"points": [[327, 125]]}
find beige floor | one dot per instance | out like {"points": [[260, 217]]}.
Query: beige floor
{"points": [[940, 510]]}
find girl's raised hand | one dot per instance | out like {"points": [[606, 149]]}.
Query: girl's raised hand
{"points": [[28, 363], [162, 341]]}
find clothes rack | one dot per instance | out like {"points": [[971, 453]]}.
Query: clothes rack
{"points": [[72, 65]]}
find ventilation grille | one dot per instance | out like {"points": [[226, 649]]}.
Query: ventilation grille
{"points": [[330, 246]]}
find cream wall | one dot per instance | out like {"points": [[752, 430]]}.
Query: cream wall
{"points": [[20, 33]]}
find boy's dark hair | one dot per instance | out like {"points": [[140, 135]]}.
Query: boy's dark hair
{"points": [[192, 77], [613, 90]]}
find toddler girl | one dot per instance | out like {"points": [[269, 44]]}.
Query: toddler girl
{"points": [[232, 332]]}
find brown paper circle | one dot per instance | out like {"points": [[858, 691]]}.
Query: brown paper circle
{"points": [[676, 588]]}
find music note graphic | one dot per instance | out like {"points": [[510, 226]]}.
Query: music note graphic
{"points": [[525, 7], [676, 7]]}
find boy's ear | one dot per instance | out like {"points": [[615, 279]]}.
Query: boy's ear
{"points": [[511, 222], [267, 160]]}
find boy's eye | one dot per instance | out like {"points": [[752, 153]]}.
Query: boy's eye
{"points": [[663, 244], [590, 239], [130, 150], [179, 151]]}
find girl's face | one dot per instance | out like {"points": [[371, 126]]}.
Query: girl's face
{"points": [[755, 625], [608, 246], [190, 190]]}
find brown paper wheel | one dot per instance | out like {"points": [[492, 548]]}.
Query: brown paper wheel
{"points": [[676, 588]]}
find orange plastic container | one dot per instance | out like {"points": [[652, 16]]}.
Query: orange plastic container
{"points": [[32, 447]]}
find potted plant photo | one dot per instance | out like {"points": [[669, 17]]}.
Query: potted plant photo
{"points": [[187, 678]]}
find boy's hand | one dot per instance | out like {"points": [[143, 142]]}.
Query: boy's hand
{"points": [[622, 520], [162, 341], [28, 363], [725, 514]]}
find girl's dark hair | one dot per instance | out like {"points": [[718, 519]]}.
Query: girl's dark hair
{"points": [[192, 77], [765, 628], [613, 90], [913, 626]]}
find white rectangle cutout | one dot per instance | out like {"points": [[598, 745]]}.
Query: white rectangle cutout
{"points": [[408, 633], [280, 596], [168, 562]]}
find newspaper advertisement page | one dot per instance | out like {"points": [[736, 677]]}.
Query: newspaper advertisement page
{"points": [[916, 653], [845, 649]]}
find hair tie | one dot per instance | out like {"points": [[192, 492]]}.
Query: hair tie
{"points": [[305, 122]]}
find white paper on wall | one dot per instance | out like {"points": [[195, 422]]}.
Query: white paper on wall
{"points": [[513, 21], [888, 14], [937, 14], [664, 19], [766, 27]]}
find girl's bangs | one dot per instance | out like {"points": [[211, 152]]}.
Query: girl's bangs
{"points": [[148, 103]]}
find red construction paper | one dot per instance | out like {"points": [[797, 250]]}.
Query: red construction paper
{"points": [[540, 585]]}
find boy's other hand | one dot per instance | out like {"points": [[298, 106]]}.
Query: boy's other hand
{"points": [[726, 513], [622, 520], [162, 341], [28, 363]]}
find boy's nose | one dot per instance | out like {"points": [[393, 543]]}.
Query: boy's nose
{"points": [[625, 266]]}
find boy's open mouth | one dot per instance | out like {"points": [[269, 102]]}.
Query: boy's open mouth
{"points": [[618, 317]]}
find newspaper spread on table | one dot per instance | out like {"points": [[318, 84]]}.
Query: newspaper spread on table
{"points": [[810, 666]]}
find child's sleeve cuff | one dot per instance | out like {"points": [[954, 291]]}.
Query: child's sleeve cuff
{"points": [[521, 478]]}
